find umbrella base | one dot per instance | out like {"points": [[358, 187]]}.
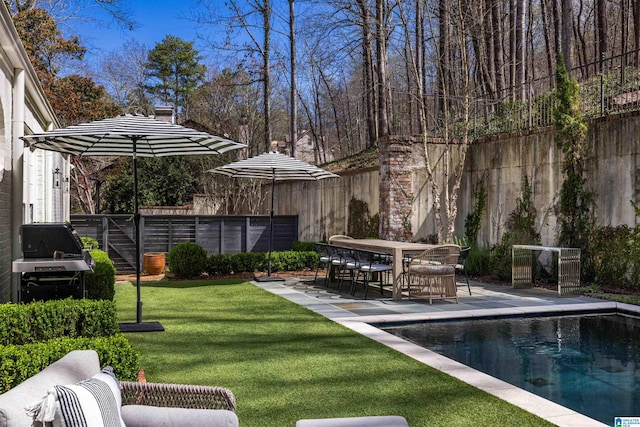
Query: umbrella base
{"points": [[141, 327], [268, 279]]}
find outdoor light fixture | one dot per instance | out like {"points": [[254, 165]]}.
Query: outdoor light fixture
{"points": [[65, 187], [56, 178]]}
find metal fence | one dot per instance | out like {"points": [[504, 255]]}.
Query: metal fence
{"points": [[217, 234], [608, 86]]}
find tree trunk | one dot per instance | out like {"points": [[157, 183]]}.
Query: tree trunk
{"points": [[293, 134], [520, 43], [601, 28], [266, 16], [368, 81], [550, 54], [381, 62], [567, 35], [498, 55]]}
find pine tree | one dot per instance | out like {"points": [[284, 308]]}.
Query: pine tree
{"points": [[175, 72]]}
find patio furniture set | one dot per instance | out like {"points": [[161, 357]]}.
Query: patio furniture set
{"points": [[74, 391], [416, 270]]}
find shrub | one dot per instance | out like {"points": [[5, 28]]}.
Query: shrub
{"points": [[100, 284], [219, 264], [187, 260], [303, 246], [43, 321], [613, 257], [89, 242], [520, 231], [249, 262], [477, 263], [19, 362]]}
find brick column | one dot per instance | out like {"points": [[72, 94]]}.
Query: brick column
{"points": [[396, 194]]}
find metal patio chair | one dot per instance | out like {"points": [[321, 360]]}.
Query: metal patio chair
{"points": [[461, 264]]}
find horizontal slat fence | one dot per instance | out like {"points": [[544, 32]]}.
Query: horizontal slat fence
{"points": [[160, 233]]}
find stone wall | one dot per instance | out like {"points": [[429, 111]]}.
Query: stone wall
{"points": [[396, 192], [612, 171]]}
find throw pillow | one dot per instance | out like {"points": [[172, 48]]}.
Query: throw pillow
{"points": [[94, 402]]}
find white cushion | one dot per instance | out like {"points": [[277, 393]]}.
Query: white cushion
{"points": [[94, 402]]}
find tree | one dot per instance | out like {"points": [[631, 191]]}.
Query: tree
{"points": [[124, 74], [77, 99], [44, 43], [175, 72], [163, 181]]}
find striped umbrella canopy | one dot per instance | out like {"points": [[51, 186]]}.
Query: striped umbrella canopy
{"points": [[276, 167], [131, 135]]}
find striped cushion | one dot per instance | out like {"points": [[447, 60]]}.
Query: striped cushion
{"points": [[94, 402]]}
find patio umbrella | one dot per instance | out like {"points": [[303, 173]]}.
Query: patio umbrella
{"points": [[132, 136], [276, 167]]}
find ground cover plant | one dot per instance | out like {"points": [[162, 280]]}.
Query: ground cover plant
{"points": [[284, 362]]}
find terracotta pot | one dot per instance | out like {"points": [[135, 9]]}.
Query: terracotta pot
{"points": [[154, 263]]}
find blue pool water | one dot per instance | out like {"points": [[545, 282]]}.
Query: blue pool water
{"points": [[589, 363]]}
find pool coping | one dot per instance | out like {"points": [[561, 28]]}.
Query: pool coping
{"points": [[334, 309], [544, 408]]}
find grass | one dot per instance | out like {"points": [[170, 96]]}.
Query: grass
{"points": [[284, 362]]}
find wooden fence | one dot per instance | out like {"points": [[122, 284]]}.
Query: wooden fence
{"points": [[217, 234]]}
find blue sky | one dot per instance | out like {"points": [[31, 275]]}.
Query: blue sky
{"points": [[156, 19]]}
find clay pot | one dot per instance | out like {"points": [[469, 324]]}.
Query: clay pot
{"points": [[154, 263]]}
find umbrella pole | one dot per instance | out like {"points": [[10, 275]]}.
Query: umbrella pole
{"points": [[138, 326], [273, 187], [136, 221], [270, 278]]}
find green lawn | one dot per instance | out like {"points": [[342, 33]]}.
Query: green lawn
{"points": [[284, 362]]}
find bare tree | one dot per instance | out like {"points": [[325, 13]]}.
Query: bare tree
{"points": [[293, 134], [249, 21], [123, 73]]}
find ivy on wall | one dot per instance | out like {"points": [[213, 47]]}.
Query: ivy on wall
{"points": [[361, 224]]}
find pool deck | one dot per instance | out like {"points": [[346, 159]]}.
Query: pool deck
{"points": [[358, 314]]}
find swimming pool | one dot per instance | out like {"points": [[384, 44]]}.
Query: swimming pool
{"points": [[589, 362]]}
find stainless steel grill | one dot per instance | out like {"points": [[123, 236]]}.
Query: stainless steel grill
{"points": [[54, 263]]}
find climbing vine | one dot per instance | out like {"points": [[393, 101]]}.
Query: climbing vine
{"points": [[576, 206]]}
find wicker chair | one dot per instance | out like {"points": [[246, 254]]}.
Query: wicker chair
{"points": [[177, 396], [432, 274]]}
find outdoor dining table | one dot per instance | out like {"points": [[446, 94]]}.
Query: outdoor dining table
{"points": [[397, 249]]}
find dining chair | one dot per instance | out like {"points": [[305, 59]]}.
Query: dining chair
{"points": [[371, 263], [461, 264], [432, 274], [323, 260]]}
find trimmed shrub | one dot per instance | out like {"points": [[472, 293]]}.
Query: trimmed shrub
{"points": [[303, 246], [249, 262], [19, 362], [89, 242], [100, 284], [187, 260], [42, 321]]}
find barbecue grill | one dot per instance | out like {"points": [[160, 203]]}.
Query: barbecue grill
{"points": [[54, 262]]}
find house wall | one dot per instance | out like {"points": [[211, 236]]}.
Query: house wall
{"points": [[23, 193]]}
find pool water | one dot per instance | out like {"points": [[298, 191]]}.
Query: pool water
{"points": [[589, 363]]}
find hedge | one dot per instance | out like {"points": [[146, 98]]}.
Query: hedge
{"points": [[100, 284], [249, 262], [42, 321], [19, 362]]}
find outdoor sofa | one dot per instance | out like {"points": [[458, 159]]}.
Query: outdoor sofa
{"points": [[143, 404]]}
